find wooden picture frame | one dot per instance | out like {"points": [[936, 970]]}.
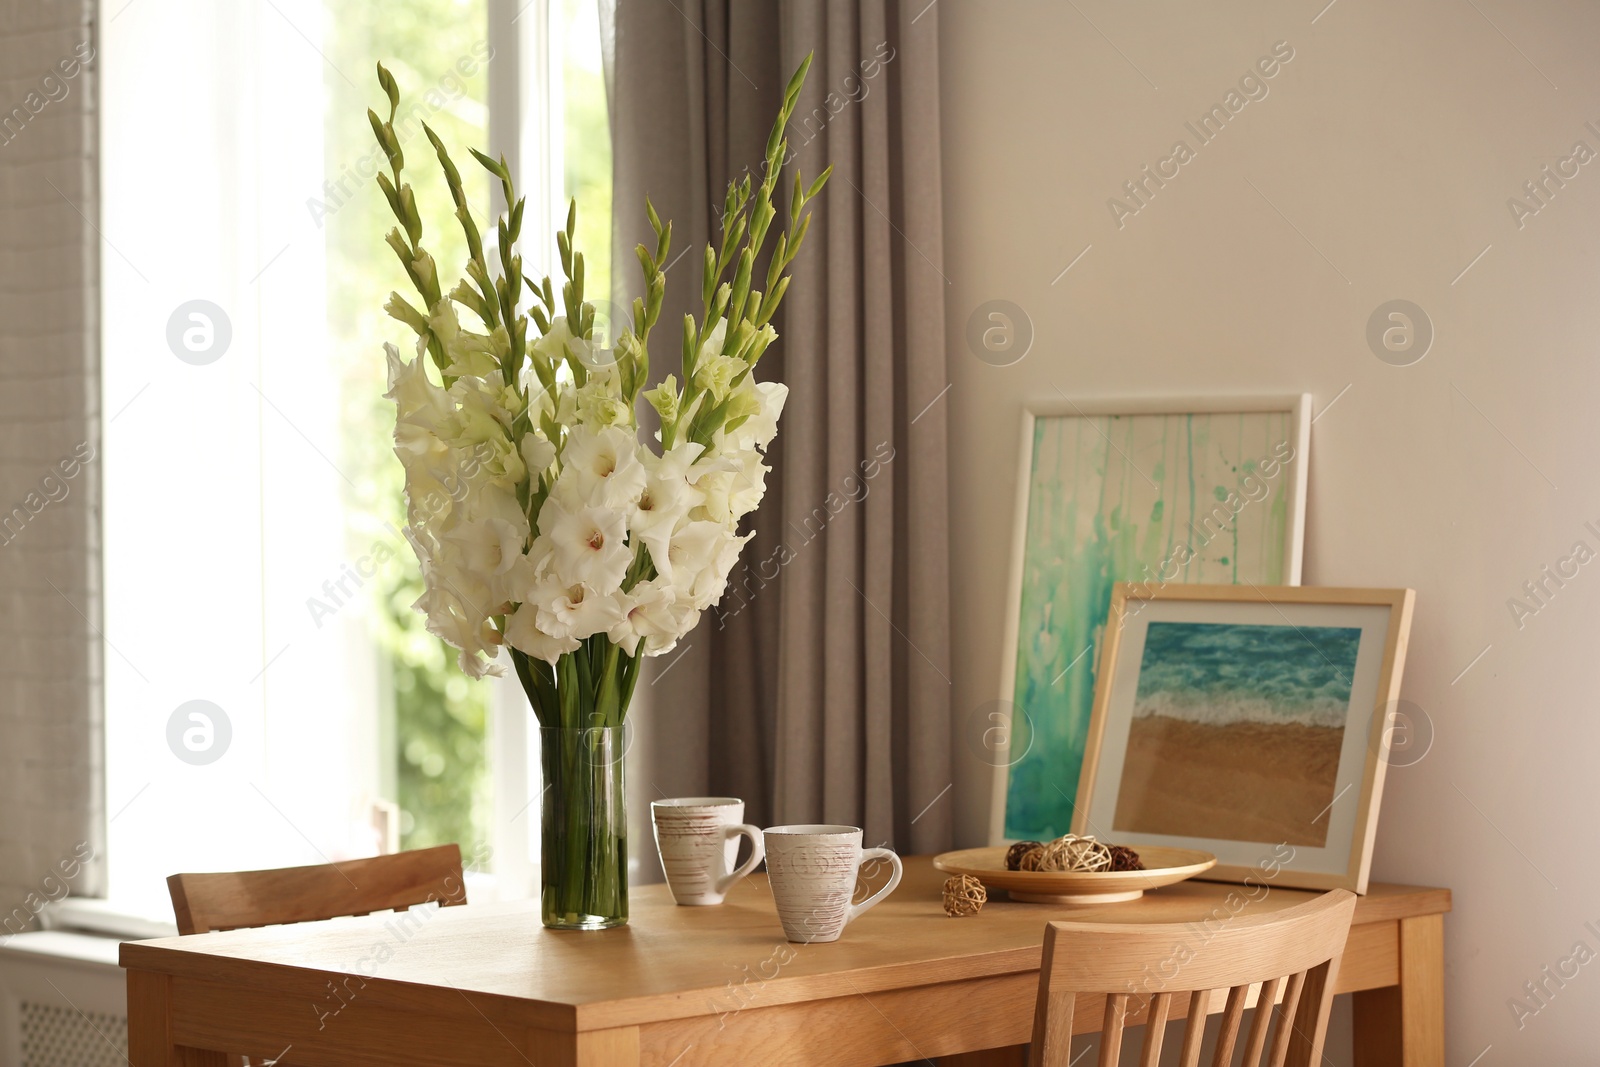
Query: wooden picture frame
{"points": [[1034, 736], [1215, 683]]}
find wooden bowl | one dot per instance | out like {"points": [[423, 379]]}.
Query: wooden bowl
{"points": [[1163, 866]]}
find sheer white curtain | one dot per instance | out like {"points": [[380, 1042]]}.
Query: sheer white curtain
{"points": [[223, 512]]}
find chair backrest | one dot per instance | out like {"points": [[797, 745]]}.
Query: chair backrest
{"points": [[239, 899], [1149, 973]]}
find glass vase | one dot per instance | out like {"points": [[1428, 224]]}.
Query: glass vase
{"points": [[584, 835]]}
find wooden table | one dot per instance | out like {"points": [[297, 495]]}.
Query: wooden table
{"points": [[677, 987]]}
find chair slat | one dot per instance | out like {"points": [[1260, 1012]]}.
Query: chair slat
{"points": [[1052, 1014], [1194, 1032], [1111, 1029], [1155, 1029], [1286, 1025], [1311, 1021], [1229, 1034], [1052, 1030], [1261, 1023]]}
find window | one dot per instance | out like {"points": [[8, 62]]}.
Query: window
{"points": [[270, 697]]}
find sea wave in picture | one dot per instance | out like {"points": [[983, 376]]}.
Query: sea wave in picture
{"points": [[1222, 709], [1219, 673]]}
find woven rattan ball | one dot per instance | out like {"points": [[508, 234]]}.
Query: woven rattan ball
{"points": [[1015, 853], [1073, 853], [963, 895], [1124, 858]]}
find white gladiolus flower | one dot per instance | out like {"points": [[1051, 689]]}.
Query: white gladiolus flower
{"points": [[713, 342], [753, 411], [665, 501], [715, 373], [537, 454], [482, 431], [733, 485], [409, 386], [598, 405], [693, 549], [653, 617], [664, 398], [489, 547], [600, 467], [450, 621], [589, 544], [469, 353], [714, 581], [566, 403], [704, 586], [482, 501], [759, 429], [749, 486], [554, 343], [474, 667], [423, 409], [524, 635], [575, 611]]}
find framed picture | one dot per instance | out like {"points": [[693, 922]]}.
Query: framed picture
{"points": [[1186, 490], [1249, 721]]}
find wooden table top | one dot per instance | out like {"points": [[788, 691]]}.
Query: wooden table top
{"points": [[674, 962]]}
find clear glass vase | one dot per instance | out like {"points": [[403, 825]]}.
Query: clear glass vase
{"points": [[584, 836]]}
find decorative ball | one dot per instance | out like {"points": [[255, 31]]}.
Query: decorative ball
{"points": [[1073, 853], [1030, 859], [1124, 858], [1015, 853], [963, 895]]}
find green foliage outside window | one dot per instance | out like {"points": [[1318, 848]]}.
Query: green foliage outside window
{"points": [[435, 720]]}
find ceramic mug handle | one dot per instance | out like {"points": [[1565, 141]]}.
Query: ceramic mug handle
{"points": [[894, 880], [758, 852]]}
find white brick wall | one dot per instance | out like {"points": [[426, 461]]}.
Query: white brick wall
{"points": [[51, 750]]}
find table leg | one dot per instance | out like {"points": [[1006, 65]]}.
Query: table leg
{"points": [[1403, 1025], [150, 1027], [1010, 1056]]}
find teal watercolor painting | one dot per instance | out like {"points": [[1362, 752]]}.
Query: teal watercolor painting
{"points": [[1189, 497]]}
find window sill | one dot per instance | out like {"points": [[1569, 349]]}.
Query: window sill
{"points": [[109, 918], [62, 947]]}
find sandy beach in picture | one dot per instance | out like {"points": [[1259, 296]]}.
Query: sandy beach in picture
{"points": [[1236, 732]]}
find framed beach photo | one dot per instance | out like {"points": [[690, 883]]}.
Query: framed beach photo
{"points": [[1194, 489], [1247, 721]]}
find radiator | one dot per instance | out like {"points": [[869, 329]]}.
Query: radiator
{"points": [[63, 1001]]}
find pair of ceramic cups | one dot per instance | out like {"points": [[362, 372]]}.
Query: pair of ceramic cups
{"points": [[811, 869]]}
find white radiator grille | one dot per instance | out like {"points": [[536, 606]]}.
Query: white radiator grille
{"points": [[54, 1036]]}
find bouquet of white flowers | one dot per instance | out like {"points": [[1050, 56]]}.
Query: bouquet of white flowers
{"points": [[542, 521]]}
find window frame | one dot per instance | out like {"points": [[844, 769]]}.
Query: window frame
{"points": [[526, 127]]}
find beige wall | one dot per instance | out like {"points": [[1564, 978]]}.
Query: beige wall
{"points": [[1390, 144]]}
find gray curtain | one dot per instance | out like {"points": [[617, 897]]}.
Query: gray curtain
{"points": [[821, 691], [51, 760]]}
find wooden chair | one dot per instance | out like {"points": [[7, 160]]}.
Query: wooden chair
{"points": [[240, 899], [1149, 973], [237, 900]]}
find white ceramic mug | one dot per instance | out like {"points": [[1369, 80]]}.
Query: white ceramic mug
{"points": [[812, 870], [698, 838]]}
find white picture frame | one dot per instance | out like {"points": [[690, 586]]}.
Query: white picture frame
{"points": [[1006, 736]]}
